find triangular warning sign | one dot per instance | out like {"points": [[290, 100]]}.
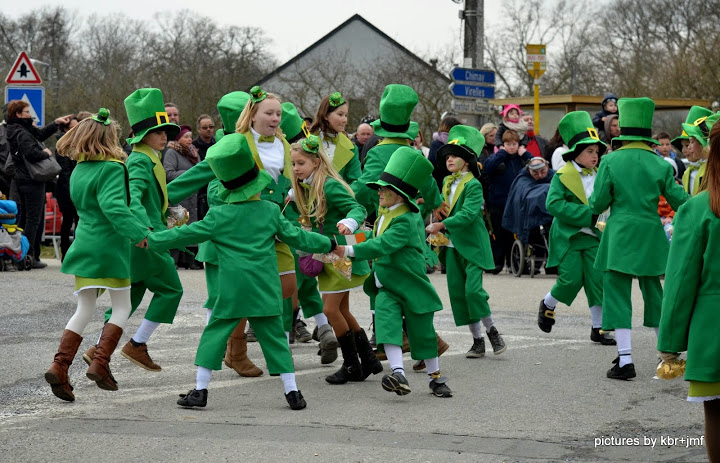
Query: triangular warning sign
{"points": [[23, 72]]}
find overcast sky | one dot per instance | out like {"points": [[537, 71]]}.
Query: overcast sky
{"points": [[423, 26]]}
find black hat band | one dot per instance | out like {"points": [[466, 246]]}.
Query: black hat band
{"points": [[636, 132], [400, 184], [160, 117], [244, 179], [582, 136], [393, 127]]}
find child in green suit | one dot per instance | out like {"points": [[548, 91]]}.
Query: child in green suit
{"points": [[241, 180], [399, 286], [633, 243], [574, 238], [100, 255], [328, 205], [468, 252]]}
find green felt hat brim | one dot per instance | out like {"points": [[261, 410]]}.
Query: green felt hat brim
{"points": [[246, 191], [694, 131], [570, 155], [633, 138], [465, 153], [408, 134], [677, 142], [171, 129], [411, 201]]}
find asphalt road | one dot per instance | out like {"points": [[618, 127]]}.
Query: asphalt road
{"points": [[545, 399]]}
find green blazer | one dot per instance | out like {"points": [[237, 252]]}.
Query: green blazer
{"points": [[399, 261], [340, 205], [276, 191], [377, 159], [567, 203], [148, 201], [697, 180], [107, 228], [346, 159], [244, 236], [630, 181], [465, 225], [690, 317]]}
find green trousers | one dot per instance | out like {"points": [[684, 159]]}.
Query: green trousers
{"points": [[211, 280], [420, 331], [468, 298], [617, 302], [167, 292], [270, 336], [308, 294], [576, 271], [287, 316]]}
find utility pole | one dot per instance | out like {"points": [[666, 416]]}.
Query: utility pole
{"points": [[474, 16]]}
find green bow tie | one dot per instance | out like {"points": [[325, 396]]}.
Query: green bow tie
{"points": [[693, 167], [449, 180], [383, 210], [266, 139], [586, 172], [307, 186]]}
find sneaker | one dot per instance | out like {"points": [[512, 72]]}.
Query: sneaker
{"points": [[193, 398], [439, 387], [250, 334], [625, 373], [477, 350], [546, 317], [291, 336], [496, 341], [89, 354], [301, 332], [397, 383], [315, 336], [295, 400], [603, 338], [37, 263], [137, 353]]}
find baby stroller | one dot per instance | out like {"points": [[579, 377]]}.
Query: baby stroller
{"points": [[13, 244], [528, 219]]}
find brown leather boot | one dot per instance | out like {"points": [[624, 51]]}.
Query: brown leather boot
{"points": [[99, 370], [57, 374], [236, 355]]}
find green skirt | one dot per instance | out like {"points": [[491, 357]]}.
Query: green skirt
{"points": [[332, 281], [101, 284], [700, 391]]}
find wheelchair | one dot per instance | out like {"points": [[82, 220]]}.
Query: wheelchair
{"points": [[531, 256]]}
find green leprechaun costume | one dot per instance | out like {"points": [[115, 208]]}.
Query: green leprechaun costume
{"points": [[241, 181], [629, 182], [149, 202], [574, 236], [339, 149], [398, 286], [699, 129], [468, 252]]}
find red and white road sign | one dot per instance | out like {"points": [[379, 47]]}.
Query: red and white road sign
{"points": [[23, 72]]}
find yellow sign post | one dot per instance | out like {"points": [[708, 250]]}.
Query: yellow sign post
{"points": [[536, 63]]}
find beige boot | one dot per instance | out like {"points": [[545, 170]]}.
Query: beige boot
{"points": [[236, 354]]}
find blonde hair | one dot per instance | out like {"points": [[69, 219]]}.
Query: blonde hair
{"points": [[312, 203], [245, 120], [93, 139]]}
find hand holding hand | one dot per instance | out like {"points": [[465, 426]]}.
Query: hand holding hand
{"points": [[143, 244]]}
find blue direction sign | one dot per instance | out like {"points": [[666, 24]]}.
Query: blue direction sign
{"points": [[480, 76], [34, 96], [472, 91]]}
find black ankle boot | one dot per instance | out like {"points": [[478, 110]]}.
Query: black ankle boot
{"points": [[351, 370], [368, 359]]}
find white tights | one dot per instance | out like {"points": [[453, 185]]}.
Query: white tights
{"points": [[87, 305]]}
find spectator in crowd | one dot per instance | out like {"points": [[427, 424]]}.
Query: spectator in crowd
{"points": [[25, 140], [204, 140], [362, 135], [502, 167], [173, 113], [612, 130], [488, 131], [62, 191], [554, 150], [609, 107], [510, 121], [178, 158], [440, 138], [665, 150], [532, 142], [419, 143]]}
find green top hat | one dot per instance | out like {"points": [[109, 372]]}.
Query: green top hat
{"points": [[291, 124], [146, 113], [233, 164], [405, 173], [577, 131], [230, 107], [396, 106], [699, 129], [635, 121], [464, 142], [695, 113]]}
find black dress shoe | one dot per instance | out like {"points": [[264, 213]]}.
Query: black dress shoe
{"points": [[625, 373], [295, 400], [546, 317], [605, 339], [193, 398]]}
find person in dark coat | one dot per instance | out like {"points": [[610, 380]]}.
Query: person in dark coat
{"points": [[609, 107], [440, 138], [501, 168], [62, 193], [205, 139], [25, 141]]}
